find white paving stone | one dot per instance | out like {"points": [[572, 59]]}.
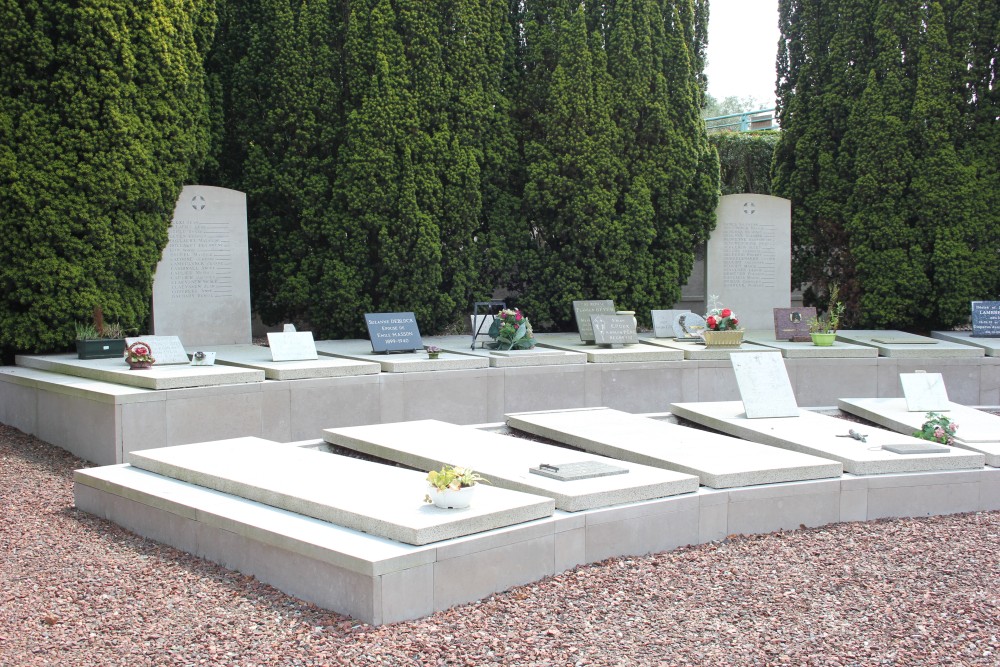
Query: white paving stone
{"points": [[157, 377], [819, 435], [719, 461], [922, 347], [399, 362], [374, 498], [506, 461], [259, 358], [978, 431]]}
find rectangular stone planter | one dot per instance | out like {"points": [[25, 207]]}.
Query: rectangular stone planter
{"points": [[100, 348]]}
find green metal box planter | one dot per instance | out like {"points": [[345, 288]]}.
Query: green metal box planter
{"points": [[100, 348]]}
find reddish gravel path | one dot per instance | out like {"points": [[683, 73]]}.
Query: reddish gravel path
{"points": [[75, 590]]}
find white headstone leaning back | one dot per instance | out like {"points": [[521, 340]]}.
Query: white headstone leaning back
{"points": [[201, 291], [748, 261]]}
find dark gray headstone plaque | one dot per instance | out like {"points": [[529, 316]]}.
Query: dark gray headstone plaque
{"points": [[793, 324], [930, 448], [393, 332], [614, 330], [582, 310], [570, 472], [986, 319]]}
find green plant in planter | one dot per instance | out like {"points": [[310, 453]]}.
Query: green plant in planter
{"points": [[830, 321], [99, 339], [453, 478]]}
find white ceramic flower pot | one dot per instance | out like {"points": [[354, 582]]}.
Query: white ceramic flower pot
{"points": [[449, 499]]}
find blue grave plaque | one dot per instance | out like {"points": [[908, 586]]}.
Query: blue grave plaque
{"points": [[393, 332], [986, 319]]}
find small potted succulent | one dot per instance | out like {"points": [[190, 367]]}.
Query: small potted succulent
{"points": [[452, 487], [99, 339], [138, 356], [511, 330], [722, 326], [433, 351], [823, 329]]}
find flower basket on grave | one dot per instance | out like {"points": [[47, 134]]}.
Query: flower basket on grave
{"points": [[723, 338], [721, 327], [138, 356]]}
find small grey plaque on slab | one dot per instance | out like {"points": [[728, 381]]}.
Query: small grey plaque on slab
{"points": [[582, 310], [793, 323], [917, 449], [924, 392], [297, 346], [663, 322], [899, 340], [688, 325], [764, 385], [165, 349], [393, 332], [570, 472], [614, 330]]}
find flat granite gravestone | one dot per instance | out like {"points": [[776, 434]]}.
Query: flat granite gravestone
{"points": [[393, 332], [719, 461], [663, 322], [371, 497], [924, 392], [748, 261], [297, 346], [614, 330], [201, 290], [916, 449], [165, 349], [792, 324], [505, 461], [986, 319], [764, 385], [582, 310]]}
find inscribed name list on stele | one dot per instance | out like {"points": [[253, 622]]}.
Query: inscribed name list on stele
{"points": [[393, 332]]}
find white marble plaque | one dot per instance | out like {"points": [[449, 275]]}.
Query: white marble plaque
{"points": [[201, 291], [764, 385], [924, 392], [748, 261], [663, 322], [165, 349], [298, 346]]}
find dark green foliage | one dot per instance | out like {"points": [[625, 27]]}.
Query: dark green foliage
{"points": [[103, 117], [889, 137], [745, 160]]}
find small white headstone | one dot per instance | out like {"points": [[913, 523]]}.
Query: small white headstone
{"points": [[289, 328], [663, 322], [688, 325], [764, 385], [924, 392], [165, 349], [296, 346]]}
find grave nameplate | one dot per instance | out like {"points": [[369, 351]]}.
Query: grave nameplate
{"points": [[924, 392], [200, 358], [764, 385], [916, 449], [663, 322], [201, 290], [165, 349], [614, 330], [582, 310], [393, 332], [986, 319], [689, 325], [570, 472], [293, 346], [793, 324]]}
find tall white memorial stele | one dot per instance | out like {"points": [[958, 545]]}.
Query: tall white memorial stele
{"points": [[201, 291], [748, 262]]}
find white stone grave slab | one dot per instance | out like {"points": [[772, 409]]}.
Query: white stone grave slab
{"points": [[663, 322], [978, 431], [607, 355], [294, 346], [400, 362], [536, 356], [902, 344], [795, 350], [166, 350], [695, 350], [764, 385], [259, 358], [201, 291], [719, 461], [748, 260], [371, 497], [506, 462], [924, 392], [990, 346], [117, 371], [826, 437]]}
